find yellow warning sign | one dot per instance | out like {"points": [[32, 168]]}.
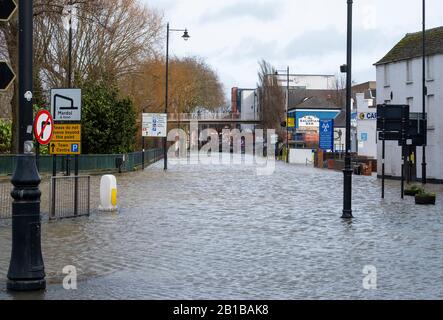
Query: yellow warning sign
{"points": [[64, 148], [291, 122], [67, 132]]}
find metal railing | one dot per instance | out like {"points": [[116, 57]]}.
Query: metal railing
{"points": [[87, 162], [5, 200], [69, 197]]}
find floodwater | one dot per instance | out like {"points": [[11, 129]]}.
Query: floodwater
{"points": [[222, 232]]}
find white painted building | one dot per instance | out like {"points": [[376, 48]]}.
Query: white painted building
{"points": [[399, 81]]}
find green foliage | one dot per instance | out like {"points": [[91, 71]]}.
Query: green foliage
{"points": [[5, 136], [108, 122]]}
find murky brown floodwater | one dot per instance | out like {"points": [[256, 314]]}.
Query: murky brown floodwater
{"points": [[222, 232]]}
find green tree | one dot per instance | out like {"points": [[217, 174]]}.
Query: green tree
{"points": [[109, 122], [5, 136]]}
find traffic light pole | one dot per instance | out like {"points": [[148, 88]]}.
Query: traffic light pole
{"points": [[26, 269]]}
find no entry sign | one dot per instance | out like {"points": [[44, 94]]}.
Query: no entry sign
{"points": [[43, 127]]}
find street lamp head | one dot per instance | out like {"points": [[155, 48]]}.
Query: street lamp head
{"points": [[186, 35]]}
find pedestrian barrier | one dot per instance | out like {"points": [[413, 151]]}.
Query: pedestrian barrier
{"points": [[87, 162], [69, 197], [5, 200]]}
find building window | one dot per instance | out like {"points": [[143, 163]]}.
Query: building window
{"points": [[409, 76], [430, 68], [386, 75]]}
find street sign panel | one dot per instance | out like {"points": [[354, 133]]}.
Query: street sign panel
{"points": [[66, 139], [7, 76], [43, 127], [326, 134], [7, 9], [67, 132], [66, 104], [154, 124], [65, 148]]}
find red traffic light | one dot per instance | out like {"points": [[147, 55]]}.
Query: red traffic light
{"points": [[7, 9]]}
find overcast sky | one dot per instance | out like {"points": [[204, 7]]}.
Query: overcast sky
{"points": [[307, 35]]}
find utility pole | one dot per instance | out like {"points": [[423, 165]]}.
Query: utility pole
{"points": [[425, 93], [165, 151], [26, 268], [287, 116], [347, 172]]}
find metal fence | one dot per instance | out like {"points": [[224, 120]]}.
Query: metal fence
{"points": [[69, 197], [87, 162], [5, 200]]}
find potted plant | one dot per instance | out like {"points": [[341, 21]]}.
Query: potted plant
{"points": [[424, 198], [413, 190]]}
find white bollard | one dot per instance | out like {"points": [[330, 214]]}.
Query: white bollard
{"points": [[108, 193]]}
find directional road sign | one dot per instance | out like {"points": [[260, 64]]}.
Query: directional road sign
{"points": [[66, 104], [7, 76], [43, 127], [64, 148], [154, 125], [7, 9]]}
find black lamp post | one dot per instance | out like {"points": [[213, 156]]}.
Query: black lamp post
{"points": [[26, 268], [143, 143], [347, 172], [186, 38], [424, 173]]}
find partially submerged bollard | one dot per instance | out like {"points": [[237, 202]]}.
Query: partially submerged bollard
{"points": [[108, 193]]}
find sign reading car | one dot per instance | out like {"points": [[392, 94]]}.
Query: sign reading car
{"points": [[367, 116]]}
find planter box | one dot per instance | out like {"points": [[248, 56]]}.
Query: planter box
{"points": [[411, 193], [424, 199]]}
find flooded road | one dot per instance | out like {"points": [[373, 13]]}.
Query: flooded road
{"points": [[222, 232]]}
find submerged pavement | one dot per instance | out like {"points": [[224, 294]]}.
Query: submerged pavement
{"points": [[222, 232]]}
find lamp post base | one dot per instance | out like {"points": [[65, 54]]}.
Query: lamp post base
{"points": [[26, 285]]}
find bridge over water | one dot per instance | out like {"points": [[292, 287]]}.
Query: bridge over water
{"points": [[212, 118]]}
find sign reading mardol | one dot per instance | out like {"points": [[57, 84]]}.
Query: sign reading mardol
{"points": [[66, 104], [154, 124]]}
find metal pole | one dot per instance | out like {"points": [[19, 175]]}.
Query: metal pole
{"points": [[165, 152], [143, 146], [287, 118], [26, 268], [347, 172], [68, 157], [424, 165]]}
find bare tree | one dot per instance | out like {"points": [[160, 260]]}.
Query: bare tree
{"points": [[271, 99]]}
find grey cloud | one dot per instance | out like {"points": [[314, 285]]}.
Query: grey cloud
{"points": [[260, 10], [329, 40]]}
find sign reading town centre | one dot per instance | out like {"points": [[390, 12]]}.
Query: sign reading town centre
{"points": [[154, 125], [66, 104]]}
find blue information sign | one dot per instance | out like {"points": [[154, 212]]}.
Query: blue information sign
{"points": [[327, 134]]}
